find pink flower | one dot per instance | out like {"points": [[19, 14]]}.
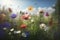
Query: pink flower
{"points": [[25, 17], [47, 14]]}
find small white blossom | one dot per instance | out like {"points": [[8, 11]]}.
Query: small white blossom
{"points": [[9, 33], [32, 20], [17, 32], [47, 28], [4, 28], [12, 29], [24, 35]]}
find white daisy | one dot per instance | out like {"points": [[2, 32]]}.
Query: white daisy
{"points": [[43, 26]]}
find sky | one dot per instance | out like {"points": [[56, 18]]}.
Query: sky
{"points": [[38, 3], [23, 4]]}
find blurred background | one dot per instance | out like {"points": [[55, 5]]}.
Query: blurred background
{"points": [[29, 20]]}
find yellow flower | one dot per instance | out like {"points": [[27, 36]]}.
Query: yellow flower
{"points": [[30, 8]]}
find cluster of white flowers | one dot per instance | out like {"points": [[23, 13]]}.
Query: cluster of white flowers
{"points": [[15, 32]]}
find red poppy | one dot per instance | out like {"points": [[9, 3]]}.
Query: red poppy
{"points": [[23, 26]]}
